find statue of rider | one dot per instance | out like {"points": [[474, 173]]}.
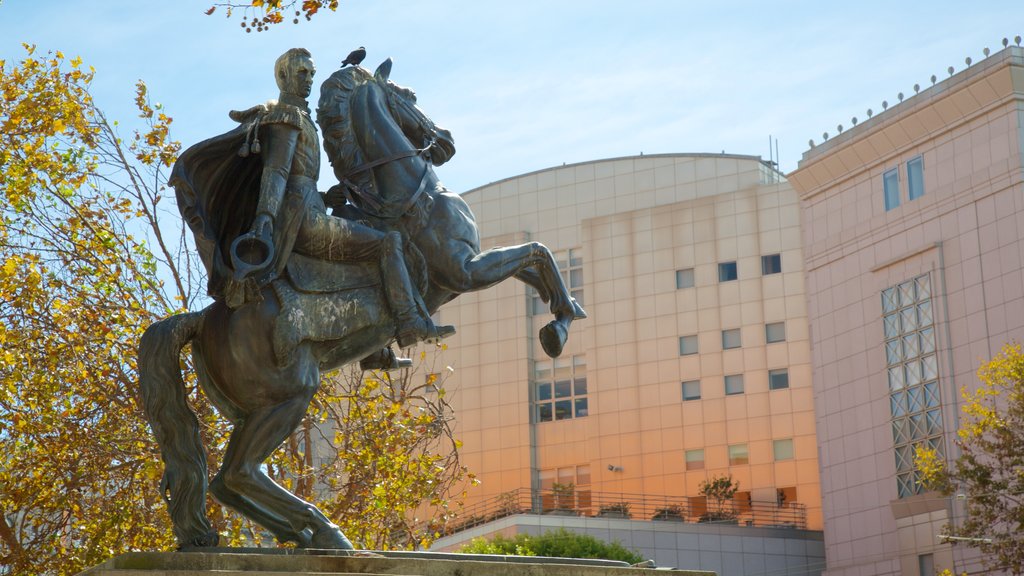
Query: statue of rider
{"points": [[291, 215]]}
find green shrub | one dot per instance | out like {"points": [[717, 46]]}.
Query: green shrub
{"points": [[559, 543]]}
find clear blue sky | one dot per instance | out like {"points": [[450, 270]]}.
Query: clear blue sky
{"points": [[528, 84]]}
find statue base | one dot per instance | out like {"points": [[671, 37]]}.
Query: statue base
{"points": [[282, 562]]}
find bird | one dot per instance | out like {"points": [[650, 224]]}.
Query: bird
{"points": [[354, 57]]}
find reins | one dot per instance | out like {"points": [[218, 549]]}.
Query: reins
{"points": [[367, 200]]}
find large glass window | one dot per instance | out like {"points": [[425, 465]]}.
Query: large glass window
{"points": [[733, 384], [771, 264], [566, 488], [731, 339], [738, 454], [560, 389], [727, 271], [688, 345], [915, 178], [695, 459], [775, 332], [691, 390], [912, 370], [778, 379], [684, 278], [782, 449], [891, 187]]}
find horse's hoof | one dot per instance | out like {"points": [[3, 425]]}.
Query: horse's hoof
{"points": [[330, 538], [552, 338]]}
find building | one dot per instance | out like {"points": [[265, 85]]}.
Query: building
{"points": [[694, 362], [911, 231]]}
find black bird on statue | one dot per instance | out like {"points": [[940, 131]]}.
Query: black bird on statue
{"points": [[354, 57]]}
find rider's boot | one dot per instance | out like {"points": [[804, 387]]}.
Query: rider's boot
{"points": [[414, 324]]}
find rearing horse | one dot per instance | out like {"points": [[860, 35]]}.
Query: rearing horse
{"points": [[260, 362], [371, 129]]}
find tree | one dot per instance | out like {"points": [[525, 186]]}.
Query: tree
{"points": [[78, 283], [555, 543], [720, 489], [989, 470], [260, 15], [389, 471]]}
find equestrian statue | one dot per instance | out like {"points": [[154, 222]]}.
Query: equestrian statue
{"points": [[297, 291]]}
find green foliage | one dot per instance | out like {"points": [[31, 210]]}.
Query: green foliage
{"points": [[988, 470], [556, 543]]}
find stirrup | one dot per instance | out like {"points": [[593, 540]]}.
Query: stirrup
{"points": [[422, 330], [384, 359]]}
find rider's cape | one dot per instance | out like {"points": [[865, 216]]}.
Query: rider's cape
{"points": [[217, 184]]}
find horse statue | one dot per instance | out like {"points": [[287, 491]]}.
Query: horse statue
{"points": [[259, 359]]}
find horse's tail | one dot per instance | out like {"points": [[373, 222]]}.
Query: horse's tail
{"points": [[175, 426]]}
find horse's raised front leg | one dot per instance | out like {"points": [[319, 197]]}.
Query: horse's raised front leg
{"points": [[286, 515], [465, 270]]}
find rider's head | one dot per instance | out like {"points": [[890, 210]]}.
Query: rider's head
{"points": [[294, 72]]}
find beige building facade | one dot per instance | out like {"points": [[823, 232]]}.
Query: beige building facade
{"points": [[912, 223], [694, 361]]}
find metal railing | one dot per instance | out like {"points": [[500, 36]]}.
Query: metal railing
{"points": [[582, 502]]}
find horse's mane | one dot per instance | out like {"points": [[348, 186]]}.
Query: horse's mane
{"points": [[332, 114]]}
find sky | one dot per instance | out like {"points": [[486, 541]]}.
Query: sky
{"points": [[528, 84]]}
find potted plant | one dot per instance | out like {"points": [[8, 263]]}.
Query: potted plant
{"points": [[615, 510], [673, 513], [718, 490]]}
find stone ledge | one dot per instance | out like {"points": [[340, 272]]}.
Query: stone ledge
{"points": [[284, 562]]}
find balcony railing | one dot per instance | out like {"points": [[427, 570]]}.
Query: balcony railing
{"points": [[577, 502]]}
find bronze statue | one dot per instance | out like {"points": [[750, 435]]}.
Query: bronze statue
{"points": [[297, 291]]}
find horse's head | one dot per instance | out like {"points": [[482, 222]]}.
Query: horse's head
{"points": [[417, 127], [350, 93]]}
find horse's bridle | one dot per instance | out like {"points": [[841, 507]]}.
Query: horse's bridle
{"points": [[372, 205]]}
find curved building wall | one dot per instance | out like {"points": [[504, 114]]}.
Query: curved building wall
{"points": [[609, 416]]}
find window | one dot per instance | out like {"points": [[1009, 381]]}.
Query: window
{"points": [[734, 384], [684, 278], [926, 564], [891, 186], [687, 345], [771, 264], [560, 389], [778, 379], [570, 263], [695, 459], [730, 338], [783, 449], [775, 332], [691, 390], [915, 178], [566, 488], [727, 271], [913, 374], [738, 454]]}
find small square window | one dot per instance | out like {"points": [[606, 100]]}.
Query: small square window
{"points": [[695, 459], [731, 339], [783, 449], [775, 332], [688, 345], [684, 278], [891, 188], [915, 178], [771, 264], [734, 384], [738, 454], [778, 379], [727, 271], [691, 390]]}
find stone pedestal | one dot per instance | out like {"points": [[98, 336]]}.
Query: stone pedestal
{"points": [[281, 562]]}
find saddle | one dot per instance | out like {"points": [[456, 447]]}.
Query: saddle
{"points": [[313, 294]]}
